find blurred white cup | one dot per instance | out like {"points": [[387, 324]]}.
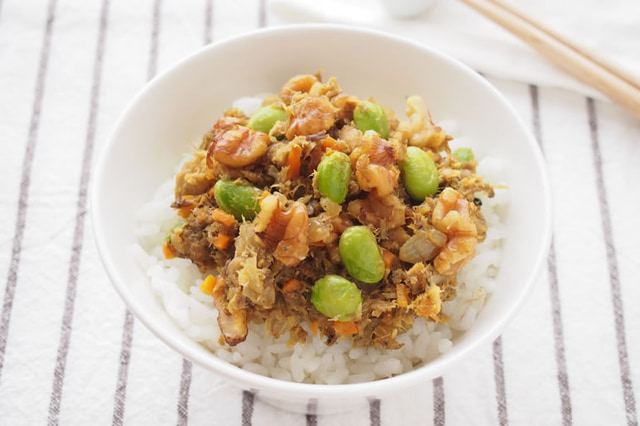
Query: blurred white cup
{"points": [[406, 8]]}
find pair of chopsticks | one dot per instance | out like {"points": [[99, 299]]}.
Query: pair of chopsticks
{"points": [[619, 86]]}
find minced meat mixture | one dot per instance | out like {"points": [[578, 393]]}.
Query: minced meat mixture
{"points": [[256, 220]]}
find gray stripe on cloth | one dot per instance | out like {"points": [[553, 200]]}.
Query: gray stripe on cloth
{"points": [[614, 279], [262, 14], [208, 22], [558, 336], [127, 329], [312, 409], [556, 313], [374, 412], [248, 399], [183, 400], [155, 35], [438, 402], [78, 233], [498, 375], [123, 371], [25, 181]]}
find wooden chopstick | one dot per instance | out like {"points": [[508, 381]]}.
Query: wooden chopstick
{"points": [[618, 85]]}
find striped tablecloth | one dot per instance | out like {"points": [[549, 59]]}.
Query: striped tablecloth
{"points": [[70, 352]]}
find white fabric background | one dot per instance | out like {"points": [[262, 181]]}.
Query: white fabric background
{"points": [[69, 352]]}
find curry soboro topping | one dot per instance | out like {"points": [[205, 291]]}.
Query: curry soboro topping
{"points": [[278, 207]]}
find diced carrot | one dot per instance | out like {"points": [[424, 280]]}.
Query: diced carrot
{"points": [[223, 217], [293, 161], [328, 143], [314, 327], [345, 328], [222, 241], [167, 250], [292, 285], [207, 285], [185, 211], [388, 258], [402, 296]]}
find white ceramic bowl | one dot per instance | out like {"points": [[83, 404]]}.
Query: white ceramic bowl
{"points": [[177, 107]]}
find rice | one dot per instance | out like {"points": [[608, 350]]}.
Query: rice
{"points": [[176, 283]]}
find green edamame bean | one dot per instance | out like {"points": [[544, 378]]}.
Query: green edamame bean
{"points": [[419, 174], [237, 199], [334, 173], [361, 255], [337, 298], [464, 154], [263, 119], [370, 116]]}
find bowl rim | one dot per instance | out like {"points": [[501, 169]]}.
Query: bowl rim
{"points": [[257, 382]]}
